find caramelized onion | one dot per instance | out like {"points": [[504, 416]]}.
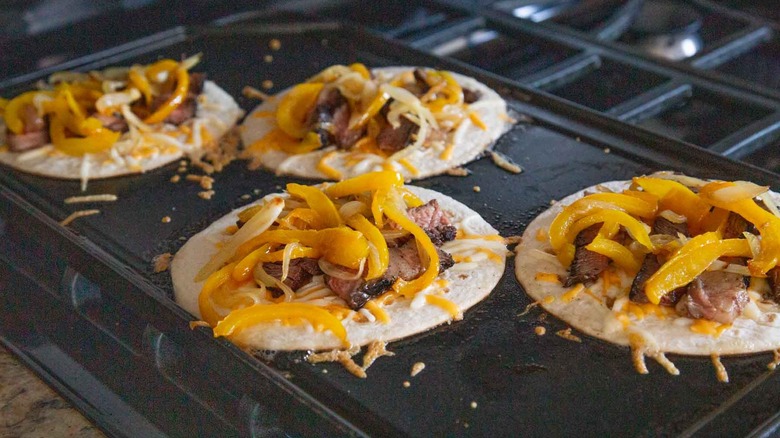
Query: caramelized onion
{"points": [[341, 272], [739, 191]]}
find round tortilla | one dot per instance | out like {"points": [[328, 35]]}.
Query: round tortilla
{"points": [[216, 110], [671, 334], [467, 283], [468, 139]]}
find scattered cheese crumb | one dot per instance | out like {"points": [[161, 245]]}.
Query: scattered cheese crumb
{"points": [[254, 93], [477, 189], [539, 330], [91, 198], [268, 84], [458, 171], [166, 219], [162, 262], [407, 384], [473, 405], [566, 334], [246, 197], [528, 308], [416, 368], [504, 162], [720, 370], [77, 214], [206, 195], [206, 182], [607, 150], [181, 169], [513, 240], [775, 361], [175, 178], [268, 59], [275, 44], [374, 350]]}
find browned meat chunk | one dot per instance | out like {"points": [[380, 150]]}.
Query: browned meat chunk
{"points": [[330, 120], [114, 122], [587, 265], [357, 292], [774, 283], [715, 295], [651, 263], [32, 121], [432, 219], [28, 141], [735, 226], [299, 273], [392, 139], [470, 96], [420, 85]]}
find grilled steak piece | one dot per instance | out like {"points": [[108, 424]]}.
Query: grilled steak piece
{"points": [[187, 109], [32, 121], [715, 295], [420, 86], [392, 139], [300, 272], [432, 219], [735, 226], [28, 141], [330, 120], [651, 263], [357, 292], [114, 122], [774, 283], [471, 96], [587, 265]]}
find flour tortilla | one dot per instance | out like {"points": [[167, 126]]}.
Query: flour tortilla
{"points": [[216, 110], [468, 283], [469, 140], [672, 334]]}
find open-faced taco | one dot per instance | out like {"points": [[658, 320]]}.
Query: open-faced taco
{"points": [[324, 267], [346, 121], [114, 122], [663, 263]]}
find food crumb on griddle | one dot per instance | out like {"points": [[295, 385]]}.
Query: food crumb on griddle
{"points": [[268, 84], [90, 198], [374, 350], [540, 331], [607, 150], [406, 384], [268, 59], [528, 308], [206, 194], [77, 214], [181, 170], [504, 162], [246, 197], [166, 219], [458, 171], [254, 93], [417, 368], [477, 189], [275, 44], [175, 178], [162, 262], [720, 370], [566, 334], [553, 202], [513, 240], [206, 182], [473, 405], [775, 360]]}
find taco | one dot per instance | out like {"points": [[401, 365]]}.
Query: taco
{"points": [[346, 121], [114, 122], [663, 263], [337, 265]]}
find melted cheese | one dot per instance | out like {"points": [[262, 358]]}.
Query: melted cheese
{"points": [[710, 328], [408, 166], [548, 277], [447, 152], [378, 312], [474, 117], [447, 305], [325, 168], [572, 293]]}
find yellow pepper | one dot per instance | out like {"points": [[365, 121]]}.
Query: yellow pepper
{"points": [[141, 83], [690, 261], [294, 108], [635, 228], [341, 245], [243, 269], [373, 109], [393, 209], [376, 266], [101, 140], [13, 109], [239, 320], [451, 94], [367, 182], [768, 226], [318, 201], [162, 66], [559, 229], [311, 142], [360, 68], [619, 254], [177, 98], [3, 104], [677, 198], [213, 282], [302, 219]]}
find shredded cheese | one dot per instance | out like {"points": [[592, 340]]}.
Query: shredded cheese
{"points": [[720, 370], [90, 198], [77, 214], [446, 305]]}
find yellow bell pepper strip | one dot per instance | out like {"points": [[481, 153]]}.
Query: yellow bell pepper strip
{"points": [[559, 229], [176, 99], [619, 254], [376, 266], [162, 66], [302, 219], [318, 201], [637, 229], [311, 142], [450, 94], [373, 109], [678, 198], [393, 208], [410, 198], [768, 226], [243, 269], [377, 206], [213, 282], [360, 68], [77, 146], [690, 261], [239, 320], [294, 108], [368, 182], [716, 220], [13, 110], [341, 245], [609, 229], [139, 81]]}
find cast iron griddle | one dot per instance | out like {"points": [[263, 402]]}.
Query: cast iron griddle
{"points": [[486, 375]]}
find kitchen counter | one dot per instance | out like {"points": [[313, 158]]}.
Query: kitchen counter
{"points": [[29, 408]]}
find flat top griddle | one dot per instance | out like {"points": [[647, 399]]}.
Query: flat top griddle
{"points": [[84, 301]]}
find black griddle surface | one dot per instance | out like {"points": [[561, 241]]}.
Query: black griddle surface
{"points": [[486, 375]]}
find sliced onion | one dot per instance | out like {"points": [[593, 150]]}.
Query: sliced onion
{"points": [[754, 242], [741, 190], [254, 226], [673, 217], [685, 180], [67, 76], [113, 100], [341, 272], [286, 257], [113, 73], [192, 61], [264, 278], [133, 120], [662, 239], [737, 269], [717, 265], [113, 86], [770, 204], [352, 208]]}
